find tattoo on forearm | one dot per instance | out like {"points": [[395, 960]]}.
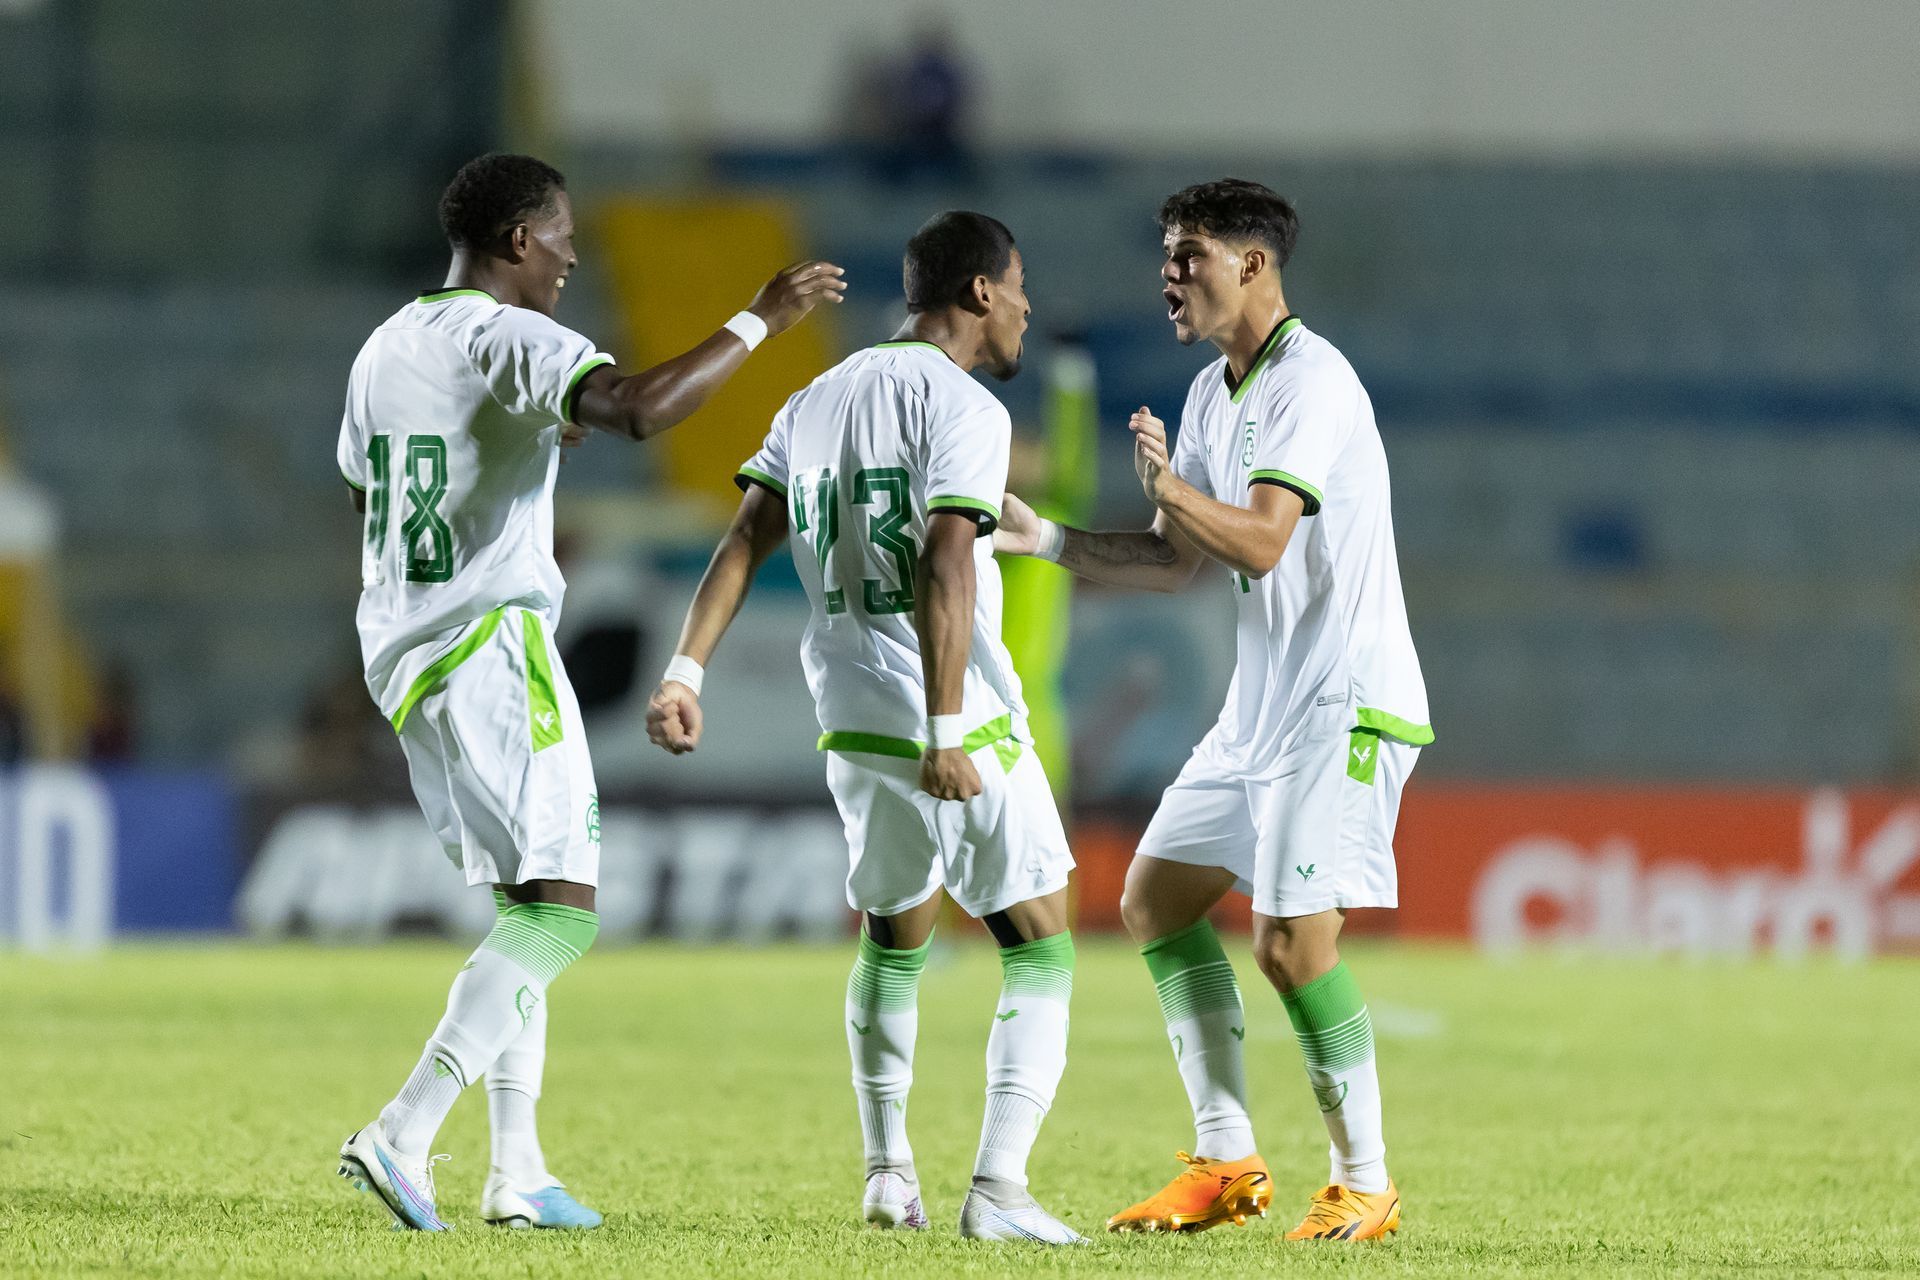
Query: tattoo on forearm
{"points": [[1090, 552]]}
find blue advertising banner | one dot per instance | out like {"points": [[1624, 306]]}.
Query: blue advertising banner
{"points": [[85, 854]]}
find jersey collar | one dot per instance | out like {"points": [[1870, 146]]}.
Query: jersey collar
{"points": [[441, 295], [1237, 390]]}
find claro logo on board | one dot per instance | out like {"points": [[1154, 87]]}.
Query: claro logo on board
{"points": [[1845, 896]]}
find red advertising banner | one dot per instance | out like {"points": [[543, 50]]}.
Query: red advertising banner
{"points": [[1694, 870]]}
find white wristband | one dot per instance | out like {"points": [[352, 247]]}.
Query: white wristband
{"points": [[685, 671], [747, 327], [946, 732], [1053, 540]]}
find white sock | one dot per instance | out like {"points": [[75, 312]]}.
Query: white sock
{"points": [[485, 1011], [513, 1087], [492, 1000], [1026, 1053], [883, 1018]]}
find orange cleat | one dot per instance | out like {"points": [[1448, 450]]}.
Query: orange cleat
{"points": [[1341, 1213], [1207, 1194]]}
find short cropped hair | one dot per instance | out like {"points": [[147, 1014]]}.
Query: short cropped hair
{"points": [[947, 252], [1235, 209], [491, 193]]}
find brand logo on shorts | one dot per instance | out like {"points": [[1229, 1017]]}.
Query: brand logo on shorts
{"points": [[1306, 872], [545, 719], [593, 819], [1363, 755]]}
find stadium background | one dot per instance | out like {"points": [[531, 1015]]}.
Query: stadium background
{"points": [[1634, 288]]}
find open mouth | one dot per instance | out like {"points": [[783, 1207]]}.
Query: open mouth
{"points": [[1176, 305], [560, 282]]}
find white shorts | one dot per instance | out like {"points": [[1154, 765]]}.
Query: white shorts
{"points": [[1004, 846], [499, 761], [1317, 836]]}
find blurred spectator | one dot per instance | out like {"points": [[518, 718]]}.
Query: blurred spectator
{"points": [[933, 94], [113, 734], [345, 744]]}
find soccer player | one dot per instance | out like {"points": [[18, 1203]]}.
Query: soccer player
{"points": [[886, 474], [451, 441], [1279, 476]]}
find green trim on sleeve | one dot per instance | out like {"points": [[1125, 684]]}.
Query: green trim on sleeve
{"points": [[435, 674], [757, 476], [987, 515], [952, 503], [444, 294], [352, 483], [573, 384], [1287, 480], [1392, 726], [1281, 330], [880, 744]]}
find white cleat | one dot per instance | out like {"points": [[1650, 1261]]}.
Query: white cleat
{"points": [[893, 1201], [403, 1183], [999, 1210], [547, 1205]]}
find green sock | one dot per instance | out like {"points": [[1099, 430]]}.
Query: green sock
{"points": [[883, 1017], [1200, 1001], [1336, 1039]]}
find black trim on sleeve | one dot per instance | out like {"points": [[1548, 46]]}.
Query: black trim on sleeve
{"points": [[985, 522], [741, 480], [1312, 503]]}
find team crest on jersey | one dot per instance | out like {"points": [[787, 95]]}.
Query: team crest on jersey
{"points": [[1246, 454], [593, 819]]}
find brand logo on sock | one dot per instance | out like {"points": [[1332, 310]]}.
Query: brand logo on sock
{"points": [[1239, 1033], [1330, 1096], [525, 1002], [441, 1070], [1179, 1046], [857, 1027], [1306, 872], [1011, 1013], [468, 965]]}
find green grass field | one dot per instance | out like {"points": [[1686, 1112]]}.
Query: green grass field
{"points": [[175, 1111]]}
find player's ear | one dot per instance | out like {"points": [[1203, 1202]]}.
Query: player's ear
{"points": [[519, 240], [979, 295], [1252, 263]]}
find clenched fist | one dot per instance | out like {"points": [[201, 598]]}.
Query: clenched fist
{"points": [[673, 718]]}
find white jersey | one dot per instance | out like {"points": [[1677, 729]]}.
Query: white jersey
{"points": [[1329, 624], [863, 456], [452, 429]]}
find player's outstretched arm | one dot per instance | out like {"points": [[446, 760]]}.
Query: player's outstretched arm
{"points": [[644, 404], [943, 615], [1249, 540], [1155, 559], [758, 528]]}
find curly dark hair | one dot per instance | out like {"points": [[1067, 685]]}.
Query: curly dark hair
{"points": [[491, 193], [1235, 209], [948, 252]]}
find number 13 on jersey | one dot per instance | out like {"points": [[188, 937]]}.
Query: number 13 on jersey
{"points": [[814, 508]]}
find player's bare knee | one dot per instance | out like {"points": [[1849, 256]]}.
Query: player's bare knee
{"points": [[1291, 958]]}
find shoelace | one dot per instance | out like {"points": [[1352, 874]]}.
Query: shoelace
{"points": [[1329, 1204], [427, 1175], [1196, 1165]]}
